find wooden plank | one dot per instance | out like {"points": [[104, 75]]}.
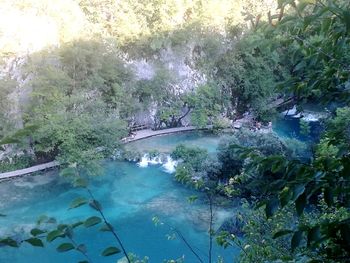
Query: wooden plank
{"points": [[29, 170]]}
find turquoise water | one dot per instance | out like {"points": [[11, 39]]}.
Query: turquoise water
{"points": [[130, 197], [290, 127], [167, 143]]}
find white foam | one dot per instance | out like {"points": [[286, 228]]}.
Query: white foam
{"points": [[170, 165], [155, 160], [144, 161], [310, 118], [290, 112], [297, 116]]}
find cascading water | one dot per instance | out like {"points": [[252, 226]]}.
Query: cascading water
{"points": [[168, 165], [144, 161]]}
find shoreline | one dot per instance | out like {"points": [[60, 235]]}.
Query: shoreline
{"points": [[142, 134]]}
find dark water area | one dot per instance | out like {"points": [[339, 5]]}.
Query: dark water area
{"points": [[285, 126]]}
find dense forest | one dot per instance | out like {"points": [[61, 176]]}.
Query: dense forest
{"points": [[77, 75]]}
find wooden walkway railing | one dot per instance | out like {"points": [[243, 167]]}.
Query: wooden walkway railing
{"points": [[29, 170], [139, 127]]}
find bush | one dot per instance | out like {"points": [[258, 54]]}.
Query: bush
{"points": [[15, 163], [191, 156]]}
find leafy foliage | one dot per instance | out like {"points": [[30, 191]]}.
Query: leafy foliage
{"points": [[110, 251], [206, 103], [313, 34]]}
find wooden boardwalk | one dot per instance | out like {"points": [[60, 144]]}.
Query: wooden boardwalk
{"points": [[139, 135], [142, 134], [29, 170]]}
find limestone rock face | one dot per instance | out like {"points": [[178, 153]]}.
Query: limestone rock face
{"points": [[181, 67]]}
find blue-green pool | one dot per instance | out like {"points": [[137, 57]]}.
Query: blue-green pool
{"points": [[290, 127], [130, 195], [167, 143]]}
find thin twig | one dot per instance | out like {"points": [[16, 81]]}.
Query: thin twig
{"points": [[81, 251], [110, 228], [210, 227], [187, 244], [178, 232]]}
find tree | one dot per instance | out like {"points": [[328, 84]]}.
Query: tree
{"points": [[316, 34], [6, 87], [75, 104], [206, 105]]}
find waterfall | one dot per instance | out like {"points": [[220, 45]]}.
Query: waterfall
{"points": [[309, 117], [290, 112], [144, 161], [168, 165], [155, 160]]}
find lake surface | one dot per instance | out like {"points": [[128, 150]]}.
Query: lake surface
{"points": [[167, 143], [290, 127], [131, 196]]}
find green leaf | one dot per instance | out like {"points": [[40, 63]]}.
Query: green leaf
{"points": [[9, 242], [300, 204], [51, 236], [77, 224], [78, 202], [95, 205], [282, 233], [346, 20], [298, 190], [296, 239], [110, 251], [19, 135], [36, 231], [192, 198], [62, 227], [80, 182], [65, 247], [285, 196], [106, 227], [35, 242], [300, 66], [271, 207], [91, 221]]}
